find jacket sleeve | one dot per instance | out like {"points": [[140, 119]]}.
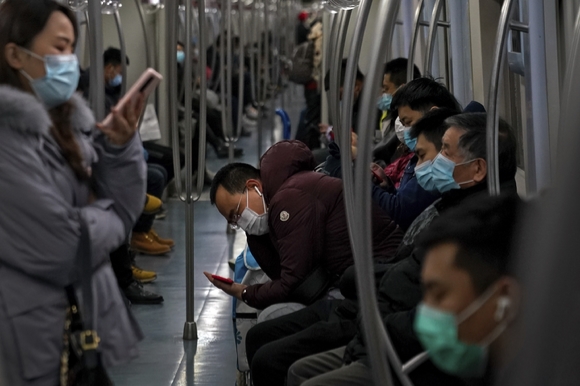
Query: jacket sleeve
{"points": [[299, 243], [120, 176], [404, 205], [40, 229]]}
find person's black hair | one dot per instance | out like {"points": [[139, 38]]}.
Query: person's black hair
{"points": [[359, 75], [180, 43], [397, 70], [483, 230], [113, 56], [473, 142], [422, 94], [433, 126], [233, 178]]}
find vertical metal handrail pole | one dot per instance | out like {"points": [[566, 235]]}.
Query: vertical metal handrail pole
{"points": [[229, 73], [538, 161], [347, 105], [171, 15], [433, 26], [190, 327], [379, 345], [241, 84], [123, 52], [338, 56], [492, 100], [202, 100], [97, 90], [333, 69], [148, 59], [412, 47], [222, 76], [253, 53], [259, 84]]}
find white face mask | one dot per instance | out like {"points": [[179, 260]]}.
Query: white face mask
{"points": [[400, 130], [251, 222]]}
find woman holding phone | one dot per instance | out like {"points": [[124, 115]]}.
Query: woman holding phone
{"points": [[59, 169]]}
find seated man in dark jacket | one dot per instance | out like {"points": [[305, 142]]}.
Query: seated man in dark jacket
{"points": [[458, 172], [295, 221], [469, 289]]}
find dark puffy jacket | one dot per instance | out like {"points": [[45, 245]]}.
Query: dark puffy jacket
{"points": [[307, 222], [400, 292]]}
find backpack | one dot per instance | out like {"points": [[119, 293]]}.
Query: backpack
{"points": [[302, 63]]}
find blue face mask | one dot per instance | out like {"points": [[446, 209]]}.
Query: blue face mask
{"points": [[61, 79], [410, 142], [116, 81], [438, 175], [384, 102], [180, 57]]}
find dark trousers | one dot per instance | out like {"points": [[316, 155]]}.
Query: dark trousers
{"points": [[156, 182], [162, 156], [273, 346], [121, 259]]}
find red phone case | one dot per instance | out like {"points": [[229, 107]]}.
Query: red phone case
{"points": [[226, 280]]}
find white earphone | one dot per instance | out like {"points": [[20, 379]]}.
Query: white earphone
{"points": [[503, 304], [257, 191]]}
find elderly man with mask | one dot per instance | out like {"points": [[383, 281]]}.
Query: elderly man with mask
{"points": [[296, 225], [458, 172]]}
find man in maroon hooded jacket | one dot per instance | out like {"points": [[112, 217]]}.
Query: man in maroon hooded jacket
{"points": [[295, 221]]}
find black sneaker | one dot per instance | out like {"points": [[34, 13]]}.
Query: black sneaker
{"points": [[137, 295]]}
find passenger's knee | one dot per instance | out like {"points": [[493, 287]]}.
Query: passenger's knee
{"points": [[296, 373]]}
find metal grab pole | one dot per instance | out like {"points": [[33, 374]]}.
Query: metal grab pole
{"points": [[259, 85], [252, 54], [123, 52], [202, 100], [416, 25], [190, 327], [492, 113], [145, 33], [338, 54], [97, 90], [347, 105], [241, 84], [171, 16], [433, 25], [223, 83], [229, 71], [333, 67], [376, 337]]}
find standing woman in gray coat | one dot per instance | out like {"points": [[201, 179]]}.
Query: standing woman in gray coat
{"points": [[57, 166]]}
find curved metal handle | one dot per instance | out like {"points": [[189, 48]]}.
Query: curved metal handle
{"points": [[123, 52], [377, 338], [416, 25], [344, 139], [97, 93], [433, 26], [338, 56], [492, 113]]}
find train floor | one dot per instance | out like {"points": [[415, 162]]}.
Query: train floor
{"points": [[165, 358]]}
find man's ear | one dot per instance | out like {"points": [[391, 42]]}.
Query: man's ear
{"points": [[14, 56], [481, 170], [253, 183]]}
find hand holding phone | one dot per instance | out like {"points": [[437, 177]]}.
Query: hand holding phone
{"points": [[226, 280]]}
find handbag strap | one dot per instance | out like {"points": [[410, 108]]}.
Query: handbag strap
{"points": [[89, 339]]}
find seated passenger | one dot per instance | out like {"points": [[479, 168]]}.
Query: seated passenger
{"points": [[410, 199], [295, 221], [463, 176], [63, 176], [471, 297]]}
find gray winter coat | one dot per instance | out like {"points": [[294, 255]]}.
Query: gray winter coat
{"points": [[40, 204]]}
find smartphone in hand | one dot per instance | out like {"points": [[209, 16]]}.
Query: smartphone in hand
{"points": [[226, 280], [377, 176]]}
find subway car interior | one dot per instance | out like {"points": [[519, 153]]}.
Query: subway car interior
{"points": [[267, 251]]}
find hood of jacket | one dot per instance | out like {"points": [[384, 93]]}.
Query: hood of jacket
{"points": [[282, 161], [22, 111]]}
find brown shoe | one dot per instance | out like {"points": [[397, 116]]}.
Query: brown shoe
{"points": [[156, 237], [143, 243]]}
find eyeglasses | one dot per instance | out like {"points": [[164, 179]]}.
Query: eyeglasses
{"points": [[233, 222]]}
